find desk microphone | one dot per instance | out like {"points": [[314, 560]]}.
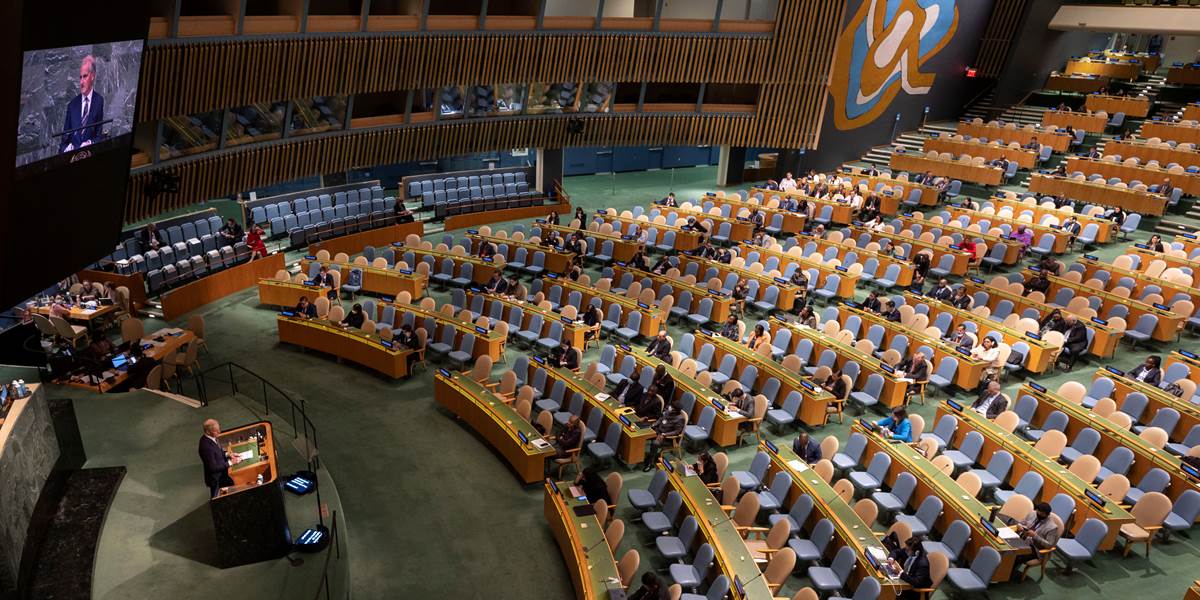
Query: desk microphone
{"points": [[593, 546]]}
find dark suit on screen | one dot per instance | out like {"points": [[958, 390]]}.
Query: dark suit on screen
{"points": [[75, 136]]}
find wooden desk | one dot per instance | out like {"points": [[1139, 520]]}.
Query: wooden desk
{"points": [[685, 240], [1104, 341], [849, 529], [815, 398], [632, 447], [894, 387], [1026, 159], [841, 211], [1085, 121], [1039, 350], [1189, 414], [1056, 479], [80, 314], [1099, 193], [1146, 457], [580, 539], [481, 271], [1176, 132], [787, 291], [1012, 252], [286, 294], [354, 345], [1061, 237], [1183, 75], [1188, 182], [725, 427], [249, 518], [572, 332], [496, 422], [957, 504], [1092, 264], [623, 249], [487, 342], [954, 169], [960, 256], [846, 286], [557, 261], [843, 248], [1166, 321], [1150, 62], [1190, 242], [163, 343], [261, 462], [739, 229], [1132, 106], [1082, 84], [653, 317], [731, 557], [891, 203], [1055, 139], [970, 370], [181, 300], [1146, 152], [1193, 591], [793, 222], [721, 302], [1103, 68], [1039, 213], [385, 282], [1147, 255], [1191, 112]]}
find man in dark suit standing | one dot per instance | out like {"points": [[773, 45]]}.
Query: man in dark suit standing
{"points": [[85, 109], [216, 461]]}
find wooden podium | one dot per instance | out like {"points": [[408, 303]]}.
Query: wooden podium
{"points": [[249, 516]]}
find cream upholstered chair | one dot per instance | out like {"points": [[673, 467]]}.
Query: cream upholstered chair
{"points": [[1052, 443], [1085, 467], [1017, 507], [761, 548], [186, 360], [970, 483], [1148, 515], [1114, 487], [613, 534], [195, 325], [867, 510], [628, 566], [844, 489], [779, 569], [829, 445], [824, 469], [944, 464], [76, 334]]}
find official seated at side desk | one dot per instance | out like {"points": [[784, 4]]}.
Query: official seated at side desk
{"points": [[724, 430], [849, 529], [731, 556], [653, 317], [556, 261], [957, 504], [1157, 398], [894, 387], [285, 293], [481, 269], [1056, 478], [163, 343], [385, 282], [1040, 352], [634, 436], [1164, 331], [487, 340], [957, 267], [720, 301], [1182, 284], [1046, 212], [352, 344], [1105, 339], [813, 408], [685, 239], [1013, 247], [574, 332], [1146, 456], [752, 254], [623, 248], [739, 228], [581, 539], [1061, 237], [496, 421], [787, 291], [970, 369], [844, 247]]}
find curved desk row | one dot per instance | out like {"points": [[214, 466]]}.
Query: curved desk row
{"points": [[354, 345]]}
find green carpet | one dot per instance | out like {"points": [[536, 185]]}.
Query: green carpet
{"points": [[432, 511]]}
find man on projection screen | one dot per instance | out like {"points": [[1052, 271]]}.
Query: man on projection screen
{"points": [[85, 112]]}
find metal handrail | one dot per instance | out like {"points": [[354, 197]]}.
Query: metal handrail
{"points": [[312, 453]]}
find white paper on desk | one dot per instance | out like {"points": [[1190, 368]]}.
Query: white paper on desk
{"points": [[540, 443], [904, 380], [602, 396], [1007, 533], [689, 471], [247, 455], [799, 465]]}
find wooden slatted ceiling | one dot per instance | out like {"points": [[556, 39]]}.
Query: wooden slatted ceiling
{"points": [[793, 68], [188, 78], [998, 37]]}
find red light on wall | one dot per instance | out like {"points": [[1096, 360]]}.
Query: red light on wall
{"points": [[971, 72]]}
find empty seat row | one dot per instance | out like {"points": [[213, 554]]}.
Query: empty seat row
{"points": [[467, 205], [438, 183], [268, 212], [165, 275]]}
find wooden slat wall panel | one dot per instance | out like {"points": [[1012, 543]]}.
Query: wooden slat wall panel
{"points": [[998, 37], [192, 77]]}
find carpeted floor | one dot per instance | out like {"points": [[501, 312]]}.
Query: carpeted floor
{"points": [[432, 511]]}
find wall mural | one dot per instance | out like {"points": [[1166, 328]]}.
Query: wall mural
{"points": [[882, 51]]}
